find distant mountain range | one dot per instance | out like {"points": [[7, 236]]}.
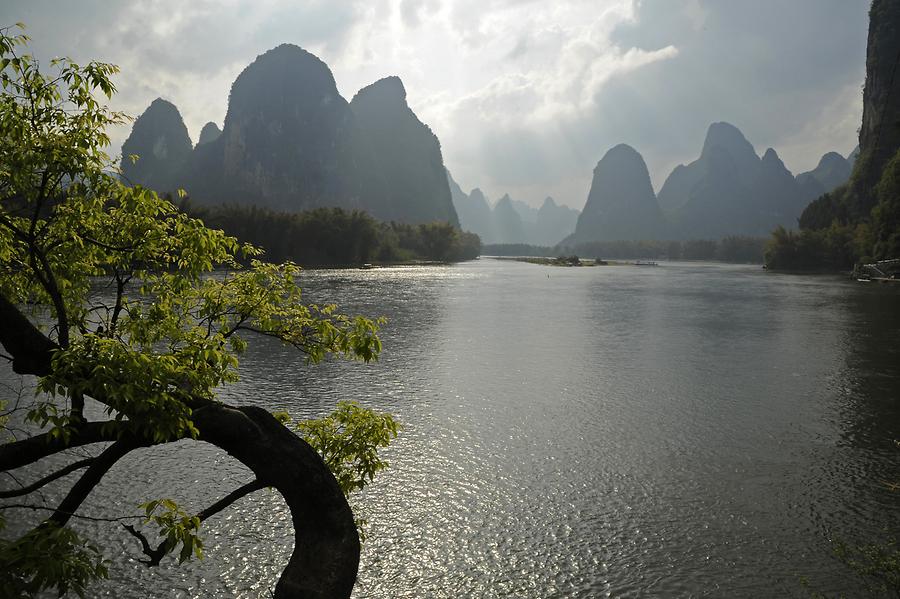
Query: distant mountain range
{"points": [[290, 142], [728, 190], [512, 221]]}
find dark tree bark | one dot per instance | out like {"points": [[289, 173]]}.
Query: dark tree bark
{"points": [[30, 349], [326, 544], [325, 558]]}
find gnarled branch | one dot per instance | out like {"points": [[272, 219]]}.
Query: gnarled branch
{"points": [[21, 453], [31, 350], [156, 554], [95, 473], [326, 543], [223, 503], [47, 479]]}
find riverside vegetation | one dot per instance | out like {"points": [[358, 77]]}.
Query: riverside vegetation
{"points": [[338, 237]]}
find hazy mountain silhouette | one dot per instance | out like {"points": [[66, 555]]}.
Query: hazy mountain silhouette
{"points": [[720, 137], [552, 224], [526, 211], [508, 225], [775, 195], [209, 133], [832, 170], [546, 226], [730, 190], [621, 204], [408, 154], [161, 142], [473, 211], [290, 142]]}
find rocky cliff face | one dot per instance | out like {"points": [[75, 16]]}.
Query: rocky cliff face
{"points": [[161, 142], [879, 136], [621, 204], [407, 154]]}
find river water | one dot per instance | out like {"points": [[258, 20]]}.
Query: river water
{"points": [[686, 430]]}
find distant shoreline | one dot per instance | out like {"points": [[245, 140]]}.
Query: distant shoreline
{"points": [[568, 262]]}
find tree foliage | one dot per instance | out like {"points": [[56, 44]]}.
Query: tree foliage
{"points": [[111, 293], [49, 557], [836, 233], [337, 237], [837, 247], [886, 214]]}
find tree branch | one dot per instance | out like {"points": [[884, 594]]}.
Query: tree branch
{"points": [[21, 453], [27, 506], [48, 281], [226, 501], [39, 202], [161, 550], [47, 479], [106, 246], [121, 282], [155, 555], [31, 350], [95, 473], [325, 559]]}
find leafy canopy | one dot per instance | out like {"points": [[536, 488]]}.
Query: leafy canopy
{"points": [[150, 310]]}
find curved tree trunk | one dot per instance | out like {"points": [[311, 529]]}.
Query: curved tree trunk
{"points": [[326, 544], [325, 559]]}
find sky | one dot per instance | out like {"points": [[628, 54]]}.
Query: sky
{"points": [[525, 96]]}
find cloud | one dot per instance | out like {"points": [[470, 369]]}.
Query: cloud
{"points": [[525, 95], [186, 52], [787, 74]]}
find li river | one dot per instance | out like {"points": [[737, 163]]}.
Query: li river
{"points": [[688, 430]]}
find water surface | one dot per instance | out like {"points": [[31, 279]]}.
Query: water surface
{"points": [[685, 430]]}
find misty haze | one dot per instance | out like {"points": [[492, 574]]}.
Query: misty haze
{"points": [[445, 298]]}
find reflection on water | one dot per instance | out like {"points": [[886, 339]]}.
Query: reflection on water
{"points": [[686, 430]]}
